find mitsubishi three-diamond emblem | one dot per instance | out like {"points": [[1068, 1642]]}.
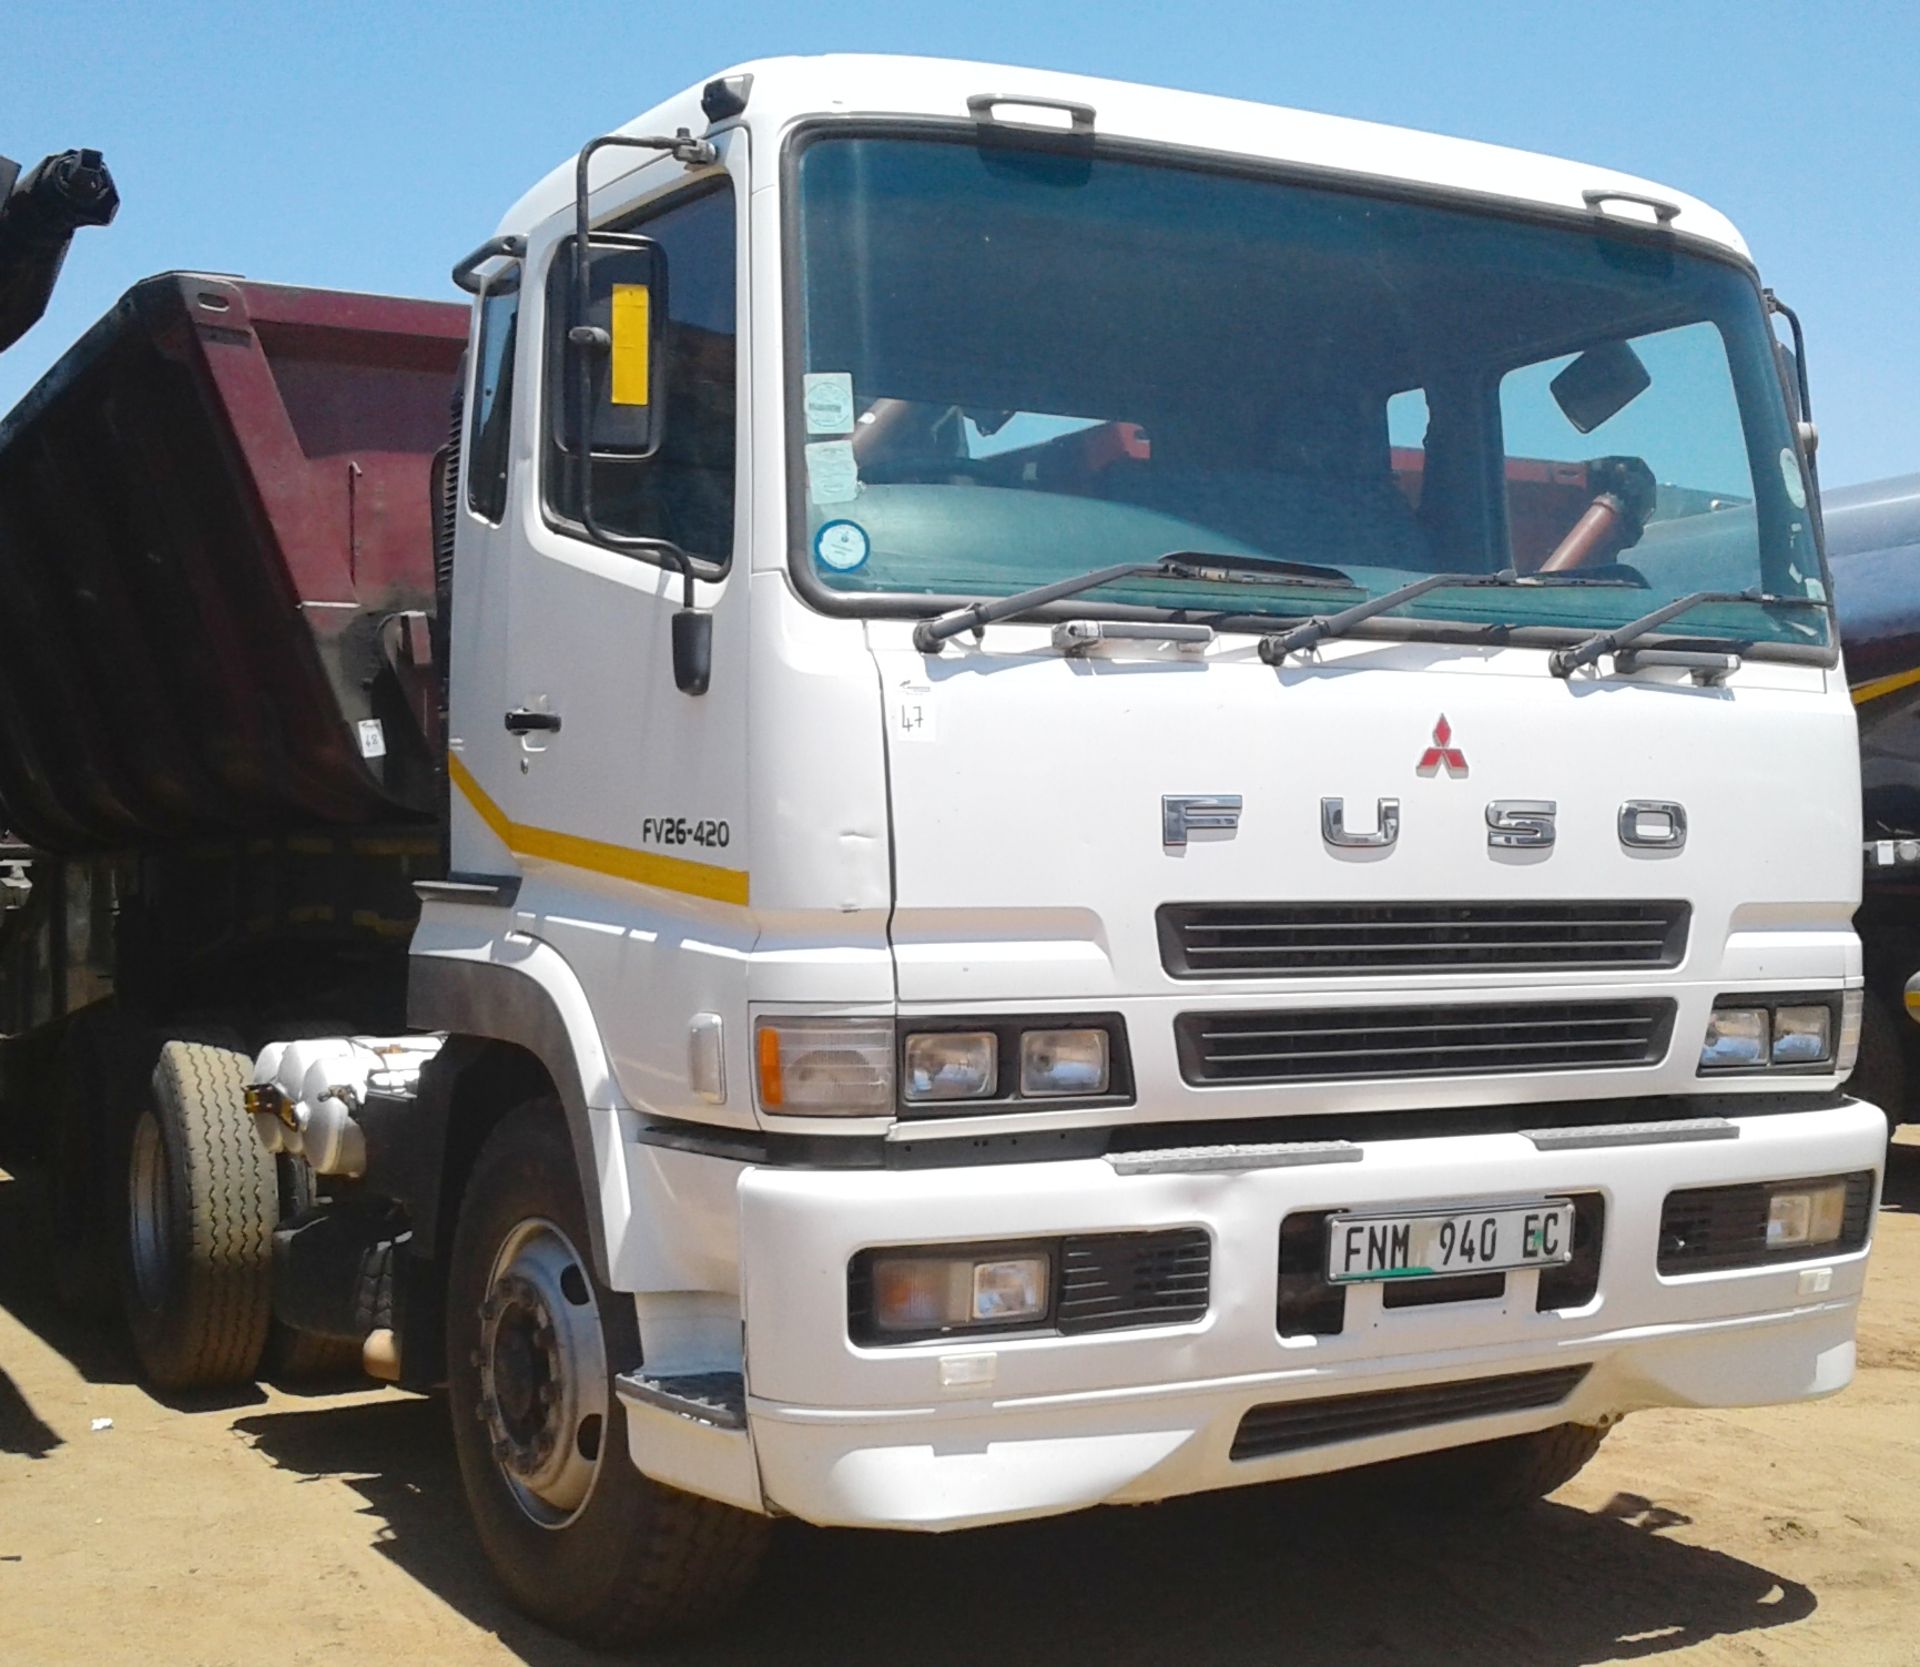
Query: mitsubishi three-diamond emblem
{"points": [[1442, 752]]}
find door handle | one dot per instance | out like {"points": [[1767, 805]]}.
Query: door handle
{"points": [[522, 722]]}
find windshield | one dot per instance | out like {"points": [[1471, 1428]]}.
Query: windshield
{"points": [[1017, 366]]}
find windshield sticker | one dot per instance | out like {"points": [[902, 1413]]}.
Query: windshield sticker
{"points": [[832, 475], [1791, 478], [828, 398], [841, 545]]}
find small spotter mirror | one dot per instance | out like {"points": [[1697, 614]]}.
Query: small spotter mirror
{"points": [[1600, 384]]}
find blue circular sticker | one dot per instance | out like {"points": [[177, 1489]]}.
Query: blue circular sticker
{"points": [[841, 545]]}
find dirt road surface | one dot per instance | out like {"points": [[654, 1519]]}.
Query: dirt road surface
{"points": [[269, 1527]]}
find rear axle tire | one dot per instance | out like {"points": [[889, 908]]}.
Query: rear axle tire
{"points": [[202, 1204], [578, 1537]]}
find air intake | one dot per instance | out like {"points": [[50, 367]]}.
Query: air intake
{"points": [[1293, 1426], [1351, 1044], [1300, 940]]}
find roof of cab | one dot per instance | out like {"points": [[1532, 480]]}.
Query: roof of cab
{"points": [[852, 84]]}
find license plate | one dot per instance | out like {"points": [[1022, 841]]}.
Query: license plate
{"points": [[1481, 1240]]}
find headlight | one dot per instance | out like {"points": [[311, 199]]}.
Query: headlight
{"points": [[1813, 1216], [825, 1067], [933, 1294], [951, 1065], [1802, 1035], [1797, 1033], [1063, 1062], [1736, 1036], [938, 1065]]}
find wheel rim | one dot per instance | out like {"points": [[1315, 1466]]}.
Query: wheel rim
{"points": [[149, 1215], [543, 1373]]}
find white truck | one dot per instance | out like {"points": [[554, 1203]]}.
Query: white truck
{"points": [[1144, 794]]}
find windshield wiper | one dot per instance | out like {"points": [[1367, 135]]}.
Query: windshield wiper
{"points": [[929, 634], [1565, 662], [1206, 564], [1275, 647]]}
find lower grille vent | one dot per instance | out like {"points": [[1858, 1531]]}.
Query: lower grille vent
{"points": [[1461, 1039], [1132, 1279], [1291, 1426]]}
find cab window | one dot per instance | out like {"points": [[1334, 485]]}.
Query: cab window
{"points": [[682, 494]]}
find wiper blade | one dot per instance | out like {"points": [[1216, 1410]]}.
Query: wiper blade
{"points": [[929, 634], [1275, 648], [1205, 564], [1565, 662]]}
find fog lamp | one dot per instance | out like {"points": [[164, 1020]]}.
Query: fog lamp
{"points": [[951, 1065], [943, 1293], [1806, 1216], [1063, 1062], [1802, 1035], [1735, 1036]]}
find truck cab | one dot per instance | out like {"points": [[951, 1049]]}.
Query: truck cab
{"points": [[1158, 794], [1084, 793]]}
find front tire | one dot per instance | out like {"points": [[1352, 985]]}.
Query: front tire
{"points": [[579, 1538], [1495, 1478], [202, 1204]]}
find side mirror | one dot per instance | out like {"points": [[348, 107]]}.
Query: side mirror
{"points": [[615, 365], [1599, 385]]}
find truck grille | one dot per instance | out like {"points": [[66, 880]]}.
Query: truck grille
{"points": [[1289, 940], [1289, 1426], [1132, 1279], [1472, 1039]]}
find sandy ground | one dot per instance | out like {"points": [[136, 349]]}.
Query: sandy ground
{"points": [[271, 1527]]}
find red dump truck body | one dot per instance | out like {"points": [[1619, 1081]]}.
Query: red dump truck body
{"points": [[216, 563]]}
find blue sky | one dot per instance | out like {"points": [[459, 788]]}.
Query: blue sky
{"points": [[368, 146]]}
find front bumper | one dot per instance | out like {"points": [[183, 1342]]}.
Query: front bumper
{"points": [[946, 1434]]}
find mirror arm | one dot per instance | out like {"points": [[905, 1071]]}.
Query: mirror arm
{"points": [[1776, 305], [692, 631]]}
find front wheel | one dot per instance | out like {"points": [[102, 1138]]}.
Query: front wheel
{"points": [[577, 1536], [1492, 1478]]}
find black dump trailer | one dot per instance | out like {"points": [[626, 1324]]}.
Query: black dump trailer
{"points": [[219, 734]]}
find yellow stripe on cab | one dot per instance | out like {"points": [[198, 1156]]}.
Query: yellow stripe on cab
{"points": [[647, 868]]}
